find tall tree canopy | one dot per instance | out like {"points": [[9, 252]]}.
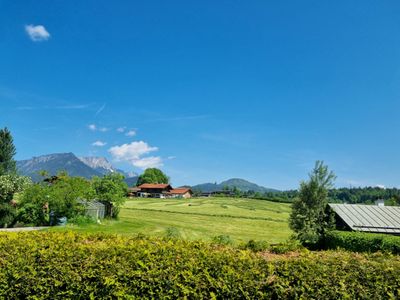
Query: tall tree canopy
{"points": [[152, 175], [308, 218], [112, 189], [7, 152]]}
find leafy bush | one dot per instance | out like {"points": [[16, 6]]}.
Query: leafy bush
{"points": [[289, 246], [362, 242], [222, 240], [60, 197], [10, 185], [255, 246], [172, 233], [111, 188], [51, 265]]}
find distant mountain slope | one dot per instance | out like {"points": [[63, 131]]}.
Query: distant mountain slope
{"points": [[54, 163], [103, 166], [83, 166], [131, 181], [100, 164], [241, 184]]}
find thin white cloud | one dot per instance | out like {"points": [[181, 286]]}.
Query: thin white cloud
{"points": [[76, 106], [381, 186], [92, 127], [171, 157], [37, 33], [121, 129], [99, 144], [100, 109], [148, 162], [131, 133], [133, 153]]}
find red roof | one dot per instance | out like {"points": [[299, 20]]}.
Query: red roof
{"points": [[180, 191], [154, 186]]}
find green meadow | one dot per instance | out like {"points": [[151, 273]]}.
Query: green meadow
{"points": [[199, 219]]}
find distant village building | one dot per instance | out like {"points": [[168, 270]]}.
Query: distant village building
{"points": [[181, 193], [367, 218], [149, 190]]}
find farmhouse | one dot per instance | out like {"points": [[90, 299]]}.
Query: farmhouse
{"points": [[148, 190], [368, 218], [181, 193]]}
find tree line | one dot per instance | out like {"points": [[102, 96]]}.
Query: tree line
{"points": [[355, 195]]}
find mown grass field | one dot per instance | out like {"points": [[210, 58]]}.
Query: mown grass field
{"points": [[200, 219]]}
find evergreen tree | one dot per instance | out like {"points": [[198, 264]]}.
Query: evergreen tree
{"points": [[308, 218], [7, 152]]}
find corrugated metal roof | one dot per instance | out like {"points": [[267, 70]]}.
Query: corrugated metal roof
{"points": [[371, 218]]}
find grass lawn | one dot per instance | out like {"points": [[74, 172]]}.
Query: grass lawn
{"points": [[200, 218]]}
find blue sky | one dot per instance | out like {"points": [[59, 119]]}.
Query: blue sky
{"points": [[208, 90]]}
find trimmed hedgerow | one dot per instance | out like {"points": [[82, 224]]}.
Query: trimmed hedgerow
{"points": [[362, 242], [49, 265]]}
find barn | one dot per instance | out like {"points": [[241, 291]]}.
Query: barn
{"points": [[150, 190], [181, 193]]}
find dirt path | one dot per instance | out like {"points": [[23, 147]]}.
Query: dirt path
{"points": [[21, 229]]}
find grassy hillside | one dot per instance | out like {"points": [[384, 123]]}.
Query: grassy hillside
{"points": [[203, 218]]}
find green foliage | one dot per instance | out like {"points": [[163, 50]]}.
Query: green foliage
{"points": [[362, 242], [308, 218], [7, 152], [65, 193], [40, 265], [9, 186], [172, 233], [60, 197], [12, 184], [112, 189], [223, 239], [255, 246], [288, 246], [152, 175]]}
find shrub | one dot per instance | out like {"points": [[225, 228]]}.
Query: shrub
{"points": [[172, 233], [362, 242], [222, 240], [53, 265], [255, 246], [288, 246]]}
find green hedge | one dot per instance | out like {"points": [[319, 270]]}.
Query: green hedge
{"points": [[362, 242], [50, 265]]}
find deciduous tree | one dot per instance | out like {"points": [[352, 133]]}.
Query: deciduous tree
{"points": [[152, 175]]}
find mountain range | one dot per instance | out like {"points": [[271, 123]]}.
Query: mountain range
{"points": [[98, 166], [239, 183], [86, 167]]}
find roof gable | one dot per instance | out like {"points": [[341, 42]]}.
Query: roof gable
{"points": [[369, 218], [154, 186], [181, 191]]}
